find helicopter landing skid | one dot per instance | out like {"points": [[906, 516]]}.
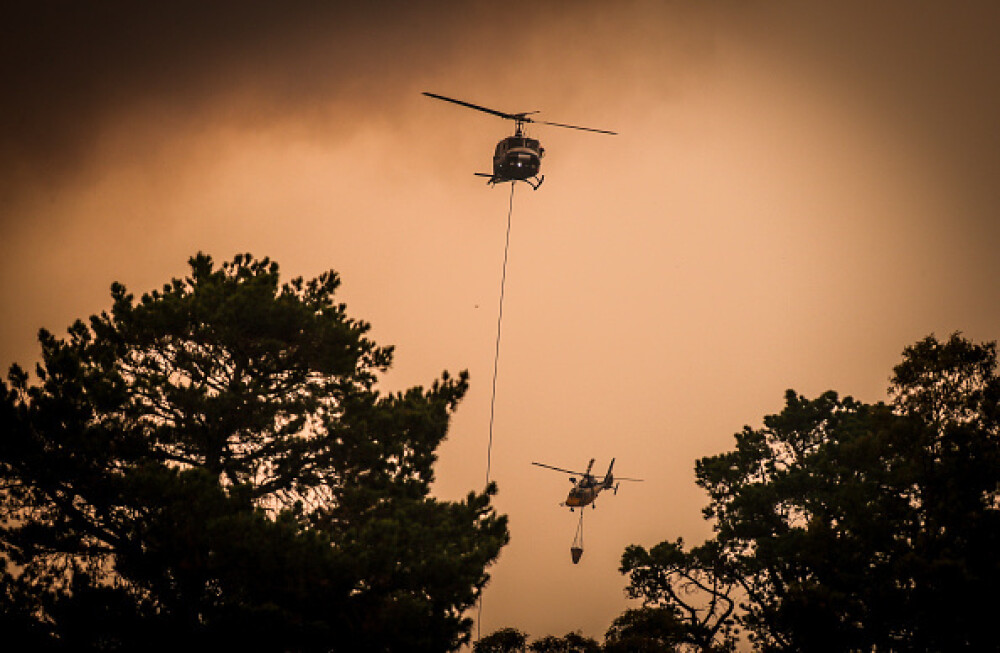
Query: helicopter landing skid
{"points": [[493, 180], [536, 184]]}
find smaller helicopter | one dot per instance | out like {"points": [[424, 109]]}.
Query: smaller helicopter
{"points": [[517, 157], [586, 489]]}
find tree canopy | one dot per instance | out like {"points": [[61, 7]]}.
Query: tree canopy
{"points": [[512, 640], [645, 630], [569, 643], [841, 525], [504, 640], [214, 464]]}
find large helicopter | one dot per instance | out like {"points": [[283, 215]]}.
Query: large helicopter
{"points": [[517, 157], [586, 489]]}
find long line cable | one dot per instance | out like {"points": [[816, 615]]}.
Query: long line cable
{"points": [[493, 396], [496, 354]]}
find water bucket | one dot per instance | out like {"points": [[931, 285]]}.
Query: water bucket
{"points": [[576, 552]]}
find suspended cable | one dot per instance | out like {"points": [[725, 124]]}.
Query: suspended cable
{"points": [[496, 354], [493, 396], [576, 549]]}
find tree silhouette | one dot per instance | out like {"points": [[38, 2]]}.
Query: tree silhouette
{"points": [[645, 630], [213, 465], [846, 526], [570, 643], [512, 640], [692, 592], [504, 640]]}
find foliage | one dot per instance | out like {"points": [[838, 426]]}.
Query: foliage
{"points": [[511, 640], [213, 465], [693, 589], [846, 526], [570, 643], [645, 630], [504, 640]]}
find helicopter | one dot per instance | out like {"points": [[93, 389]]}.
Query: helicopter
{"points": [[517, 157], [586, 489]]}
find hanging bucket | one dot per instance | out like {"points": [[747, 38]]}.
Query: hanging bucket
{"points": [[576, 553]]}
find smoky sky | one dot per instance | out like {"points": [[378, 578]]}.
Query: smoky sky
{"points": [[69, 69], [932, 70]]}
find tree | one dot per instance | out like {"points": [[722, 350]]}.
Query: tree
{"points": [[686, 594], [504, 640], [570, 643], [645, 630], [846, 526], [213, 465], [512, 640]]}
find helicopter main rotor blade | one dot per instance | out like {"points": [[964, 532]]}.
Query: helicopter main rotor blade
{"points": [[509, 116], [559, 124], [559, 469], [625, 478]]}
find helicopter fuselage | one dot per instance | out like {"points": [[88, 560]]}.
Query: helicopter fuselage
{"points": [[584, 493], [517, 158]]}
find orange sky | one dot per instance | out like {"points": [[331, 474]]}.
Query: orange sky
{"points": [[795, 195]]}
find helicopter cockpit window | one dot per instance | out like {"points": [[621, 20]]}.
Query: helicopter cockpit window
{"points": [[532, 143]]}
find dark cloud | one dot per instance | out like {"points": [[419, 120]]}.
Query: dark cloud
{"points": [[67, 67]]}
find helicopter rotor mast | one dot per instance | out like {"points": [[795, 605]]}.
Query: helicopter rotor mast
{"points": [[519, 118]]}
